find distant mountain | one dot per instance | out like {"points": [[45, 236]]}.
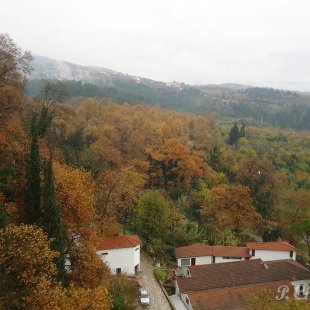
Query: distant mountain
{"points": [[276, 107]]}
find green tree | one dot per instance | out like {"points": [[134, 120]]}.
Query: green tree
{"points": [[33, 187], [152, 216], [242, 131], [234, 134], [302, 230], [51, 219], [123, 293]]}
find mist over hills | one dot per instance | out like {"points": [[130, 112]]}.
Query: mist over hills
{"points": [[276, 107]]}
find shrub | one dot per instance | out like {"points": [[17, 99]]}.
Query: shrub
{"points": [[160, 274]]}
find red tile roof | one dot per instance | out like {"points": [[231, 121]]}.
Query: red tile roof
{"points": [[197, 250], [234, 297], [118, 242], [271, 246], [214, 276]]}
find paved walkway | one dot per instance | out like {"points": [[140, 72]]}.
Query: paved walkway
{"points": [[146, 279]]}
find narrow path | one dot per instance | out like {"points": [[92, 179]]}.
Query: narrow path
{"points": [[146, 279]]}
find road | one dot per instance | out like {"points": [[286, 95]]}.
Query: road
{"points": [[146, 279]]}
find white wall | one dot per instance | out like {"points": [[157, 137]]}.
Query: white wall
{"points": [[272, 255], [306, 284], [225, 260], [126, 259], [204, 260]]}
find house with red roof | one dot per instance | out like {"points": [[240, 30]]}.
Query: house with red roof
{"points": [[272, 250], [201, 254], [229, 285], [121, 253]]}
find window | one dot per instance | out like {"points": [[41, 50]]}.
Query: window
{"points": [[104, 253], [185, 261], [230, 257], [136, 249], [291, 254], [213, 259], [118, 270], [187, 300], [253, 252], [301, 289]]}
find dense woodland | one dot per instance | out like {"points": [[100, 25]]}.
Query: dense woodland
{"points": [[284, 109], [174, 178]]}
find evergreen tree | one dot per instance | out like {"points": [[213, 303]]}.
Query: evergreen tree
{"points": [[33, 188], [242, 131], [51, 219], [215, 158], [44, 121], [234, 134]]}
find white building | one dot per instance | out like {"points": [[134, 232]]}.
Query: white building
{"points": [[268, 251], [121, 253], [201, 254]]}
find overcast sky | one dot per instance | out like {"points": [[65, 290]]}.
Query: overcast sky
{"points": [[256, 42]]}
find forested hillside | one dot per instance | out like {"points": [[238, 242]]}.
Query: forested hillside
{"points": [[174, 178], [284, 109]]}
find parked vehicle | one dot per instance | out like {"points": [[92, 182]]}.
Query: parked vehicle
{"points": [[144, 297]]}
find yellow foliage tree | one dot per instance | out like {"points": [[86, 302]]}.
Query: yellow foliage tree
{"points": [[25, 260], [75, 192]]}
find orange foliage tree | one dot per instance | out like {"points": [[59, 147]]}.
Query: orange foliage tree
{"points": [[75, 192], [230, 205], [117, 192], [25, 260], [174, 166]]}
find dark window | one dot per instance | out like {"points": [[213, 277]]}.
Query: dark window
{"points": [[291, 254], [118, 270], [187, 300], [230, 257], [213, 259], [193, 261], [253, 252], [185, 261], [104, 253], [137, 249]]}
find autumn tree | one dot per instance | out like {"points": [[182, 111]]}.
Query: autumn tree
{"points": [[52, 296], [174, 166], [230, 206], [117, 192], [261, 178], [87, 269], [14, 69], [25, 260], [75, 194]]}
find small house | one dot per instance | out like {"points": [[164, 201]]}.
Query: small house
{"points": [[121, 253]]}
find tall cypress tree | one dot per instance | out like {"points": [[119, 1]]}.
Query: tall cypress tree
{"points": [[51, 219], [33, 187], [234, 134]]}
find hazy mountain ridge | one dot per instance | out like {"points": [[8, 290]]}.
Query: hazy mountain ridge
{"points": [[277, 107]]}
